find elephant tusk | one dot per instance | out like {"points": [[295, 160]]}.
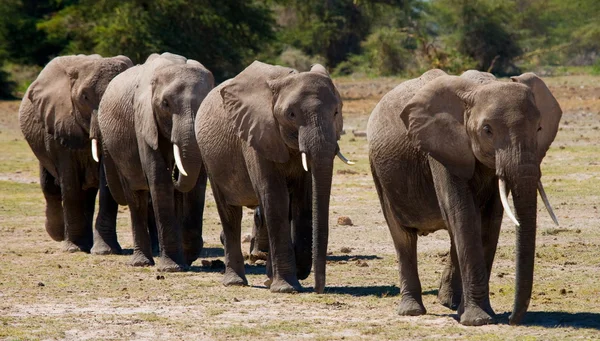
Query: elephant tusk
{"points": [[546, 202], [504, 199], [178, 160], [95, 150], [343, 158], [304, 164]]}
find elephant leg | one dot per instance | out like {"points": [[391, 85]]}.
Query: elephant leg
{"points": [[78, 229], [138, 208], [55, 223], [153, 230], [301, 219], [259, 244], [463, 219], [405, 242], [275, 202], [491, 221], [190, 207], [450, 291], [231, 219], [162, 194], [105, 230]]}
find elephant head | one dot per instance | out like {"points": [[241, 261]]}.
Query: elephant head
{"points": [[280, 112], [68, 91], [506, 126], [166, 103]]}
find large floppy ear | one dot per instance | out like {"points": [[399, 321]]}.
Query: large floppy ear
{"points": [[550, 111], [248, 99], [435, 119], [144, 113], [50, 95]]}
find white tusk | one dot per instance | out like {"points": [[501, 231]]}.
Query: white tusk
{"points": [[546, 202], [304, 164], [343, 158], [95, 150], [504, 199], [178, 160]]}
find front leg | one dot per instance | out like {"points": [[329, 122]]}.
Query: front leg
{"points": [[105, 230], [301, 220], [162, 193], [190, 210], [463, 219]]}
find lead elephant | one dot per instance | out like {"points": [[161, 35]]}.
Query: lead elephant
{"points": [[146, 120], [444, 152], [55, 117], [268, 137]]}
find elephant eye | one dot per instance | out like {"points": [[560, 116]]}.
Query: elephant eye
{"points": [[336, 113], [487, 129], [291, 115], [540, 129], [165, 103]]}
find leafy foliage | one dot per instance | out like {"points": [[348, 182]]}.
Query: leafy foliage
{"points": [[372, 37]]}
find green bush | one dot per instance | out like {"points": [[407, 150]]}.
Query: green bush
{"points": [[297, 59]]}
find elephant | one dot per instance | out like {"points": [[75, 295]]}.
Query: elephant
{"points": [[55, 117], [146, 121], [269, 137], [444, 152]]}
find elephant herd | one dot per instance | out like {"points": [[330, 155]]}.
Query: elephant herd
{"points": [[444, 152]]}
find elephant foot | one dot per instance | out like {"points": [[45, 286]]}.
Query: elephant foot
{"points": [[231, 278], [139, 259], [282, 285], [449, 299], [410, 307], [70, 247], [102, 248], [475, 316], [166, 264]]}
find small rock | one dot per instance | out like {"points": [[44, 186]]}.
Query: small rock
{"points": [[362, 264], [345, 250], [563, 291], [158, 277], [359, 133], [500, 275], [247, 238], [260, 262], [206, 263], [59, 266], [344, 221], [235, 299], [40, 284], [217, 264]]}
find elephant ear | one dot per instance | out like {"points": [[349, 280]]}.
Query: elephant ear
{"points": [[50, 95], [435, 120], [248, 98], [144, 114], [550, 111]]}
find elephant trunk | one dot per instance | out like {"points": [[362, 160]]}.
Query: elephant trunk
{"points": [[524, 189], [320, 145], [186, 153]]}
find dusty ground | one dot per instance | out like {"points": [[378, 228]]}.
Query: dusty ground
{"points": [[48, 295]]}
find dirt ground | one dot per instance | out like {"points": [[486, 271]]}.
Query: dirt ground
{"points": [[49, 295]]}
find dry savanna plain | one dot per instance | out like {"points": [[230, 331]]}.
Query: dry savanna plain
{"points": [[49, 295]]}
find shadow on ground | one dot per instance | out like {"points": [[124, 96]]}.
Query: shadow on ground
{"points": [[556, 319], [346, 258], [376, 290]]}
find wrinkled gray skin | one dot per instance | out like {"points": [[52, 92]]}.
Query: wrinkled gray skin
{"points": [[251, 131], [55, 118], [437, 146], [146, 110]]}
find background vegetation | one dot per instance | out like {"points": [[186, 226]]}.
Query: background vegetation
{"points": [[367, 37]]}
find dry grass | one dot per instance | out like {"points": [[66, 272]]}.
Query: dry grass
{"points": [[46, 294]]}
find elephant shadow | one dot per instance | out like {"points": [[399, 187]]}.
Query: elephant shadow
{"points": [[375, 290], [555, 319], [340, 258]]}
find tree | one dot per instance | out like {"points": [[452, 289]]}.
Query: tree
{"points": [[223, 35]]}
